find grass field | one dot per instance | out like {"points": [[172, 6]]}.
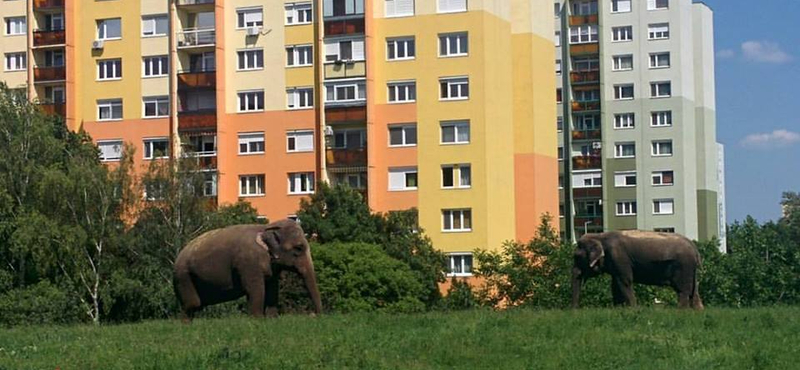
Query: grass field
{"points": [[517, 339]]}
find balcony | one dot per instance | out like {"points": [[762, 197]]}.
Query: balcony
{"points": [[49, 38], [197, 80], [346, 157], [579, 20], [197, 120], [48, 5], [195, 5], [207, 163], [585, 77], [584, 49], [587, 162], [591, 193], [594, 223], [49, 74], [197, 38], [59, 109], [585, 106], [353, 26], [342, 69], [346, 114], [586, 135]]}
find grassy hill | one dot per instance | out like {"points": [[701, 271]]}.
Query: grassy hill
{"points": [[516, 339]]}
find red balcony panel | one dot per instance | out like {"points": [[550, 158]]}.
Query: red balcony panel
{"points": [[346, 114], [207, 163], [579, 20], [195, 80], [585, 77], [54, 109], [197, 120], [589, 162], [49, 38], [586, 135], [347, 157], [44, 74], [581, 49], [344, 27], [584, 106], [47, 4], [587, 193]]}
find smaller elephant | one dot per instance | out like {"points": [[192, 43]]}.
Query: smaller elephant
{"points": [[245, 260], [641, 257]]}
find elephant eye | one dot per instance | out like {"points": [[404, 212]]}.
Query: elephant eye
{"points": [[298, 249]]}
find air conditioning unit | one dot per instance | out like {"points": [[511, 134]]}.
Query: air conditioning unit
{"points": [[253, 31], [98, 44], [597, 145]]}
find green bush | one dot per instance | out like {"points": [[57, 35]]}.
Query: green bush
{"points": [[42, 303], [359, 277], [460, 296]]}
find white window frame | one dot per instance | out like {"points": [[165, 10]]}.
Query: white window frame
{"points": [[393, 46], [653, 5], [333, 50], [117, 147], [149, 151], [460, 259], [102, 29], [249, 138], [557, 38], [300, 183], [15, 62], [622, 179], [300, 98], [397, 174], [150, 24], [391, 10], [458, 127], [155, 62], [16, 26], [625, 208], [257, 180], [253, 59], [459, 40], [451, 3], [619, 149], [617, 65], [158, 101], [111, 67], [345, 135], [455, 88], [109, 104], [246, 96], [657, 60], [663, 207], [459, 214], [294, 135], [621, 88], [619, 9], [359, 86], [659, 148], [586, 34], [622, 34], [404, 135], [457, 172], [624, 121], [661, 118], [256, 19], [294, 10], [658, 31], [656, 89], [406, 88], [660, 176], [587, 179], [306, 51]]}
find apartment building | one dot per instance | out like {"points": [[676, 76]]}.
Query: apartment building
{"points": [[636, 101], [442, 105]]}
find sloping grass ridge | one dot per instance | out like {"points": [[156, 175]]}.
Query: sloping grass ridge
{"points": [[481, 339]]}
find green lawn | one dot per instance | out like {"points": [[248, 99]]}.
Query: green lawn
{"points": [[517, 339]]}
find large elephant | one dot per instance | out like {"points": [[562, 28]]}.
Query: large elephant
{"points": [[641, 257], [245, 260]]}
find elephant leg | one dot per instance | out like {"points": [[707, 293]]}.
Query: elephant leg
{"points": [[625, 286], [273, 286], [697, 303], [255, 289], [187, 293], [616, 293]]}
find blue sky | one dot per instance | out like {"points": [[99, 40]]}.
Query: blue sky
{"points": [[758, 104]]}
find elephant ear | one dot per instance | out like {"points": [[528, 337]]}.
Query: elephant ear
{"points": [[270, 240], [596, 253]]}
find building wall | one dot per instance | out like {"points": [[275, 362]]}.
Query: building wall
{"points": [[13, 43]]}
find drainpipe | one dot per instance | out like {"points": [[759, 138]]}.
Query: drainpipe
{"points": [[569, 227], [319, 101]]}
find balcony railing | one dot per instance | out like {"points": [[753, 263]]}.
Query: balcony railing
{"points": [[579, 20], [347, 157], [586, 134], [346, 114], [587, 162], [194, 2], [590, 222], [48, 74], [59, 109], [583, 49], [585, 77], [592, 193], [194, 37], [196, 80], [197, 120], [584, 106], [49, 38], [47, 4], [345, 70], [344, 27]]}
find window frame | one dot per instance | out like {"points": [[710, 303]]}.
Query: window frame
{"points": [[619, 150], [617, 2], [654, 59], [398, 14], [661, 175], [241, 17], [619, 31], [656, 31], [452, 84], [451, 264], [656, 148], [619, 90], [440, 11], [458, 126], [657, 86], [117, 143], [622, 179], [110, 104], [294, 94], [456, 173], [20, 61], [404, 135], [161, 61], [249, 138], [461, 40], [616, 62], [392, 45], [260, 185], [658, 204], [405, 172], [305, 7], [657, 117], [16, 23], [294, 134], [307, 50], [102, 25], [626, 208], [299, 181], [154, 19], [116, 69], [148, 147], [250, 55], [359, 86], [158, 100], [410, 88], [625, 121], [461, 212], [259, 94], [593, 33]]}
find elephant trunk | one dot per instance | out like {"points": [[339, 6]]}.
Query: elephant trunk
{"points": [[577, 282], [310, 278]]}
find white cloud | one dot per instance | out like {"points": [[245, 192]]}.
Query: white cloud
{"points": [[726, 54], [777, 138], [765, 52]]}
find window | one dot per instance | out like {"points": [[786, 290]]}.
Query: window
{"points": [[250, 17], [559, 96], [661, 119], [109, 69], [558, 67], [449, 6], [587, 122], [619, 34], [623, 62], [54, 58], [202, 145], [455, 132], [109, 29], [299, 98], [54, 22], [586, 95], [109, 110], [457, 220], [454, 88], [338, 8], [156, 148], [668, 230], [403, 179], [349, 139], [299, 13], [658, 31], [627, 208], [251, 185], [584, 7], [202, 62], [456, 176], [402, 92], [155, 25], [557, 38], [454, 44], [625, 179], [557, 10], [560, 124], [110, 150], [344, 50], [399, 8], [624, 150], [623, 92], [659, 60], [663, 207], [16, 62], [251, 143], [459, 264], [346, 92], [301, 183], [353, 180], [657, 4], [660, 89], [583, 180], [251, 101], [662, 148], [298, 56], [401, 48], [299, 141], [624, 121], [560, 153], [156, 106], [620, 6], [250, 59], [583, 34], [210, 185], [16, 26], [156, 66], [663, 178], [403, 135], [55, 94]]}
